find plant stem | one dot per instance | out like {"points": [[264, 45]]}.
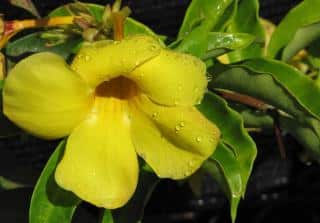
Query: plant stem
{"points": [[13, 27], [118, 26], [244, 99]]}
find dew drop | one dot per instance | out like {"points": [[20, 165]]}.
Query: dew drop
{"points": [[87, 58], [153, 47], [176, 101], [182, 124], [187, 173], [154, 115], [198, 139], [177, 128], [191, 163], [80, 57]]}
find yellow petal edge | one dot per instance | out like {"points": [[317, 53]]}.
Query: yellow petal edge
{"points": [[44, 97]]}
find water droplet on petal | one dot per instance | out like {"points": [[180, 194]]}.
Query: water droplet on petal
{"points": [[87, 58], [191, 163], [182, 124], [154, 115], [177, 128], [198, 139], [153, 47]]}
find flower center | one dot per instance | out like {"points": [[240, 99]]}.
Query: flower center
{"points": [[120, 88]]}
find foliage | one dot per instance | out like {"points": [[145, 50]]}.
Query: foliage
{"points": [[278, 78]]}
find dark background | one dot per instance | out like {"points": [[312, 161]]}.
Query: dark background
{"points": [[278, 191]]}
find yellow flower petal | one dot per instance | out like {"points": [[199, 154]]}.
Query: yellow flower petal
{"points": [[174, 141], [172, 78], [103, 61], [100, 163], [44, 97]]}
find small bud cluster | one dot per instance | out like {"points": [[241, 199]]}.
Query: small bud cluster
{"points": [[86, 23]]}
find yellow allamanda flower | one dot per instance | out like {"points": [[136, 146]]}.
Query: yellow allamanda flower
{"points": [[116, 100]]}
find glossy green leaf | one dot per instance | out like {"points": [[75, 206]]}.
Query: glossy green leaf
{"points": [[220, 43], [276, 84], [33, 43], [49, 202], [256, 119], [302, 38], [247, 20], [233, 133], [202, 13], [200, 18], [264, 86], [196, 43], [27, 5], [296, 83], [213, 169], [227, 17], [229, 165], [306, 13], [232, 162]]}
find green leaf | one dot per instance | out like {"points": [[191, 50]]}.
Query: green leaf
{"points": [[230, 169], [233, 133], [33, 43], [217, 169], [302, 38], [227, 17], [220, 43], [202, 12], [255, 119], [133, 211], [306, 13], [200, 18], [247, 20], [196, 43], [295, 82], [49, 202], [279, 92], [27, 5]]}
